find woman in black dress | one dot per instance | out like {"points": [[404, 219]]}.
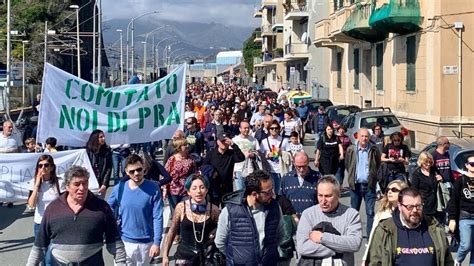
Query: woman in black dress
{"points": [[329, 152], [194, 219]]}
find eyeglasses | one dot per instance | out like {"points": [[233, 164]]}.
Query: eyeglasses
{"points": [[394, 190], [44, 165], [411, 207], [267, 192], [301, 166], [274, 128], [397, 140], [138, 170], [470, 163]]}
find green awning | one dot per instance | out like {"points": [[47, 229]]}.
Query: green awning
{"points": [[357, 25], [398, 16]]}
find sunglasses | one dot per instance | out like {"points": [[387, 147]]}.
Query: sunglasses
{"points": [[138, 170], [189, 123], [274, 128], [44, 165], [470, 163], [394, 190]]}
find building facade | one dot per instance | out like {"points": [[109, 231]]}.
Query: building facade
{"points": [[415, 56]]}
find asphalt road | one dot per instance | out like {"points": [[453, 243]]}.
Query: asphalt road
{"points": [[16, 228]]}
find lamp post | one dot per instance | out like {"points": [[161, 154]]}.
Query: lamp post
{"points": [[121, 55], [144, 53], [131, 23], [7, 101], [157, 51], [78, 43], [23, 70]]}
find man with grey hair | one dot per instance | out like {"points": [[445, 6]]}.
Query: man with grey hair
{"points": [[74, 226], [8, 144], [328, 232]]}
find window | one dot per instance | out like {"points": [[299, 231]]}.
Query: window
{"points": [[379, 65], [411, 61], [356, 69], [385, 121], [339, 69]]}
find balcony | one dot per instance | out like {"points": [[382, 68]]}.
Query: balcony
{"points": [[296, 10], [258, 36], [357, 25], [267, 31], [397, 16], [296, 51], [277, 27], [278, 55], [269, 3], [336, 22], [258, 12], [321, 35]]}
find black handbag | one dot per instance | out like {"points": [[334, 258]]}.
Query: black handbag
{"points": [[212, 255]]}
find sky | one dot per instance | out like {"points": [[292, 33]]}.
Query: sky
{"points": [[228, 12]]}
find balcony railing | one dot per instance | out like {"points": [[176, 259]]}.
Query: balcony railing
{"points": [[267, 57], [266, 30], [257, 60], [296, 50]]}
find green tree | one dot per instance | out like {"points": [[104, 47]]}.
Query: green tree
{"points": [[251, 49]]}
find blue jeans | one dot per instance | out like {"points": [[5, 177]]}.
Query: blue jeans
{"points": [[341, 170], [48, 258], [362, 190], [118, 164], [239, 181], [466, 227], [276, 182]]}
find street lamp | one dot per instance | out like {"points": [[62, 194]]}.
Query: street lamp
{"points": [[23, 68], [157, 50], [132, 22], [121, 56], [144, 52], [78, 44]]}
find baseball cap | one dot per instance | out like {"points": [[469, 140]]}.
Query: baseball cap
{"points": [[223, 135]]}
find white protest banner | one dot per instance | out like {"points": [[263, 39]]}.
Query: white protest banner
{"points": [[17, 171], [71, 108]]}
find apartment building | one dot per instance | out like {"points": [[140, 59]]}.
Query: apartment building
{"points": [[271, 69], [415, 56], [289, 59]]}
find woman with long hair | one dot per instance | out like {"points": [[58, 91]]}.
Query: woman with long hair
{"points": [[387, 204], [45, 188], [329, 152], [193, 220], [100, 156]]}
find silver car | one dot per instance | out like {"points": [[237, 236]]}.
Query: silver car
{"points": [[367, 117], [459, 150]]}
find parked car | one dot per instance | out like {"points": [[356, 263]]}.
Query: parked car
{"points": [[313, 105], [367, 117], [267, 93], [459, 150], [336, 113]]}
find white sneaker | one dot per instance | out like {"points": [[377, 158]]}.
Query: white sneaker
{"points": [[457, 263]]}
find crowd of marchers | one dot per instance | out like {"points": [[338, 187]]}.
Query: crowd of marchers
{"points": [[241, 192]]}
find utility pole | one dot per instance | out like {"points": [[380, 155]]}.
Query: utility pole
{"points": [[99, 59], [7, 102]]}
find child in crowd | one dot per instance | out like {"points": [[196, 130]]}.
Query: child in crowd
{"points": [[295, 145], [50, 145], [31, 146]]}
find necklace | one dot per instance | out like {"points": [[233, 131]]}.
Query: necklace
{"points": [[202, 231]]}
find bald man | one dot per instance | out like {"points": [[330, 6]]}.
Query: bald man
{"points": [[362, 164], [170, 149], [299, 185], [441, 159], [8, 144]]}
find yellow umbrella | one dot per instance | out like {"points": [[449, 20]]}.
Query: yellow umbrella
{"points": [[292, 94]]}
